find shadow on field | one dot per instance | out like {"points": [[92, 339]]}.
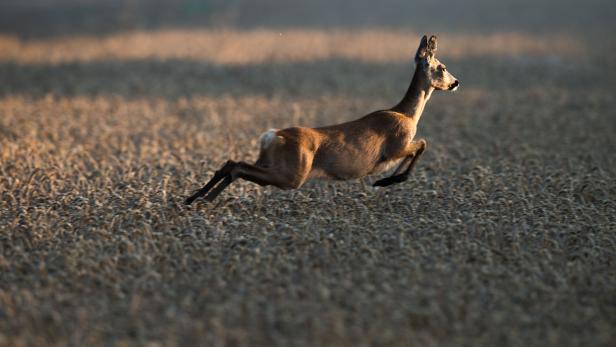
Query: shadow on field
{"points": [[179, 78]]}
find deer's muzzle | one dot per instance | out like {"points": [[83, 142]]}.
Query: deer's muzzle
{"points": [[454, 85]]}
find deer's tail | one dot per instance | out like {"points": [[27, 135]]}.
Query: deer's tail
{"points": [[267, 138]]}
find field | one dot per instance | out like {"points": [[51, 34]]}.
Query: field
{"points": [[504, 235]]}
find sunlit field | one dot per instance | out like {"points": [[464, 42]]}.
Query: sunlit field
{"points": [[236, 47], [504, 235]]}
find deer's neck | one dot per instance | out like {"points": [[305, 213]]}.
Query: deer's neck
{"points": [[415, 99]]}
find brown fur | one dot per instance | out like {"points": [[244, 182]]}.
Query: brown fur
{"points": [[366, 146]]}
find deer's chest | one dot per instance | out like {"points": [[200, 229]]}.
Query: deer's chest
{"points": [[394, 147], [393, 150]]}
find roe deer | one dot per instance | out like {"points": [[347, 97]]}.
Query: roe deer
{"points": [[367, 146]]}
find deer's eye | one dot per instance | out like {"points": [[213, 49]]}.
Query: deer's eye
{"points": [[442, 68]]}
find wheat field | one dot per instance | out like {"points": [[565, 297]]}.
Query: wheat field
{"points": [[505, 235]]}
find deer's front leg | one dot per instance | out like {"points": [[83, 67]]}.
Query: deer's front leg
{"points": [[412, 154]]}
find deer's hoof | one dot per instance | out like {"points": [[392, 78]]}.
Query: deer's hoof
{"points": [[387, 181], [383, 182]]}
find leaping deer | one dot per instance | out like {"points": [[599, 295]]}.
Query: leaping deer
{"points": [[366, 146]]}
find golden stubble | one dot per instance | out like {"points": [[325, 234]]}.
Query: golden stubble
{"points": [[235, 47]]}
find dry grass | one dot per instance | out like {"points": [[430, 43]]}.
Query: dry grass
{"points": [[506, 235]]}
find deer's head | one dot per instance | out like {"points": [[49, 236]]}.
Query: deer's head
{"points": [[432, 70]]}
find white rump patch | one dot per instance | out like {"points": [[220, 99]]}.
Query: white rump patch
{"points": [[267, 138]]}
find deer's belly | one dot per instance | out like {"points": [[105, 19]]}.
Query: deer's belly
{"points": [[345, 163], [352, 172], [338, 175]]}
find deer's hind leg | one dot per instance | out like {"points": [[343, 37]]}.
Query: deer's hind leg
{"points": [[412, 153], [263, 176], [218, 175], [285, 169]]}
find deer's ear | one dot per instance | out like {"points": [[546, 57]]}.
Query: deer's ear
{"points": [[432, 45], [422, 50]]}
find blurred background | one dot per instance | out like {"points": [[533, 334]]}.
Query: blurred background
{"points": [[127, 47], [48, 18]]}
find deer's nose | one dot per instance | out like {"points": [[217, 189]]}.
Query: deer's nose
{"points": [[454, 85]]}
